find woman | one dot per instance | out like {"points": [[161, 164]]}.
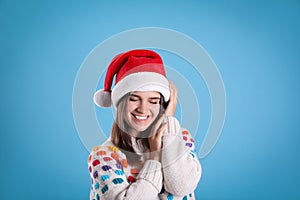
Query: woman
{"points": [[148, 154]]}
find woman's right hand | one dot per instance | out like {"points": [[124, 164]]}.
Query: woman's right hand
{"points": [[155, 139]]}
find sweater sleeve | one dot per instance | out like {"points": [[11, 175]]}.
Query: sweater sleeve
{"points": [[180, 165], [107, 167]]}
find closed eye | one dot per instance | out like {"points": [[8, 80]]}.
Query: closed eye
{"points": [[154, 102], [133, 99]]}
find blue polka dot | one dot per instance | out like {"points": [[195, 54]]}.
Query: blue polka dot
{"points": [[170, 197], [117, 181], [119, 172], [190, 195], [192, 155], [104, 189], [104, 177], [184, 198], [97, 197], [96, 186]]}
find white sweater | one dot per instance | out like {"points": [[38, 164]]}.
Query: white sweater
{"points": [[175, 177]]}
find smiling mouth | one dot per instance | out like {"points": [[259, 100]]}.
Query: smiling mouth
{"points": [[139, 117]]}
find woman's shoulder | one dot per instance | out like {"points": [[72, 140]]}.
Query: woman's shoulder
{"points": [[106, 152]]}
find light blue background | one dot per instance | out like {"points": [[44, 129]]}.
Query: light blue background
{"points": [[255, 45]]}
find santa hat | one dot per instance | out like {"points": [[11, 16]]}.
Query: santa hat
{"points": [[135, 70]]}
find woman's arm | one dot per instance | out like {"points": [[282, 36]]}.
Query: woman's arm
{"points": [[107, 166], [180, 166]]}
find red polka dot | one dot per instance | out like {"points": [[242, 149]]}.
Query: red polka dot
{"points": [[90, 169], [107, 159], [96, 162], [131, 179], [192, 140], [184, 138]]}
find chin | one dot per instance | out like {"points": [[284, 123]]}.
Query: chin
{"points": [[140, 129]]}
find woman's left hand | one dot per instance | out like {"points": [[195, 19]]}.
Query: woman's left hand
{"points": [[171, 108], [155, 140]]}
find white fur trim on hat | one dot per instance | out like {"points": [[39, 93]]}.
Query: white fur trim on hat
{"points": [[102, 98], [141, 81]]}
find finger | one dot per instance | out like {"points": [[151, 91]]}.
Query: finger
{"points": [[173, 91], [162, 129], [158, 123], [159, 132]]}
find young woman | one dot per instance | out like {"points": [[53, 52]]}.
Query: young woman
{"points": [[148, 154]]}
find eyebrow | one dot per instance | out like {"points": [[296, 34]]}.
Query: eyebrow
{"points": [[134, 95]]}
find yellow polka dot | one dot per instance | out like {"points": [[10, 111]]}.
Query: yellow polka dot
{"points": [[112, 148]]}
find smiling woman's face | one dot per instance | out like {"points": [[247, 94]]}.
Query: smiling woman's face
{"points": [[142, 109]]}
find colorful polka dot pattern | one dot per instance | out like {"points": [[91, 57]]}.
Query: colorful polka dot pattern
{"points": [[109, 168], [189, 142]]}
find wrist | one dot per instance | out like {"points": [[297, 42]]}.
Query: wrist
{"points": [[155, 156]]}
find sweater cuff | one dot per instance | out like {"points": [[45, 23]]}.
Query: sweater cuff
{"points": [[151, 172]]}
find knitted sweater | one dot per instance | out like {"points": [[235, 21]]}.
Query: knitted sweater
{"points": [[175, 177]]}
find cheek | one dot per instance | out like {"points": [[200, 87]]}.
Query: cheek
{"points": [[127, 111], [155, 110], [130, 106]]}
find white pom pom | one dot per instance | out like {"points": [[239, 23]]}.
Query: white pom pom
{"points": [[102, 98]]}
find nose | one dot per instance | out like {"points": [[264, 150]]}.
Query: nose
{"points": [[142, 107]]}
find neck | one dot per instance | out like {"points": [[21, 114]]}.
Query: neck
{"points": [[133, 133]]}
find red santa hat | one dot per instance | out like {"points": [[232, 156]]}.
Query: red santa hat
{"points": [[135, 70]]}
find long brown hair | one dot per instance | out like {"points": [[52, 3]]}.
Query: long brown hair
{"points": [[119, 131]]}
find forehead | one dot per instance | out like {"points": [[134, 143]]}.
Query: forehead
{"points": [[148, 94]]}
